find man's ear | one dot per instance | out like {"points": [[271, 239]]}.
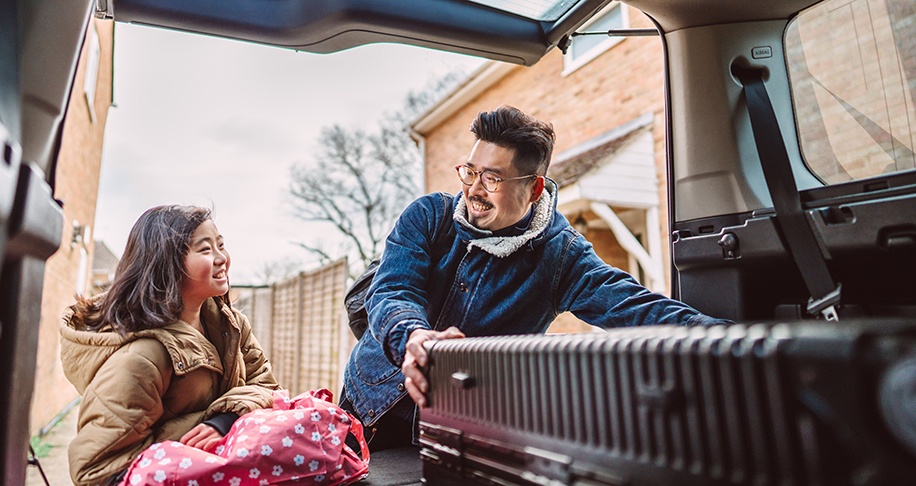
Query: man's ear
{"points": [[538, 189]]}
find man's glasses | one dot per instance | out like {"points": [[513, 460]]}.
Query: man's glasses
{"points": [[489, 180]]}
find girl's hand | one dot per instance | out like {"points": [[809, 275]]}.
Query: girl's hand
{"points": [[202, 437]]}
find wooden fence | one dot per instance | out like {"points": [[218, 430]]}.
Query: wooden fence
{"points": [[301, 324]]}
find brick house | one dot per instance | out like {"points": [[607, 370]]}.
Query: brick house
{"points": [[68, 272], [605, 98]]}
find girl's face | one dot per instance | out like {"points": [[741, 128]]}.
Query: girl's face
{"points": [[206, 265]]}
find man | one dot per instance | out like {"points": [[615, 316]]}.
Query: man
{"points": [[514, 265]]}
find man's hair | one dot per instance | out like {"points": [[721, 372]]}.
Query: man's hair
{"points": [[508, 127]]}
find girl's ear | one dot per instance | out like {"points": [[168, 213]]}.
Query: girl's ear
{"points": [[537, 190]]}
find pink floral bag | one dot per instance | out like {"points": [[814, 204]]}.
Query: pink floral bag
{"points": [[298, 441]]}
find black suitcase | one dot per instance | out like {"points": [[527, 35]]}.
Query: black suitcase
{"points": [[801, 404]]}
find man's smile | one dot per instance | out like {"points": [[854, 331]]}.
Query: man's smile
{"points": [[479, 205]]}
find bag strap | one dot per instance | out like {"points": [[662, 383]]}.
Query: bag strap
{"points": [[790, 218], [445, 233]]}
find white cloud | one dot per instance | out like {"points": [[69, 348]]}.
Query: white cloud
{"points": [[218, 123]]}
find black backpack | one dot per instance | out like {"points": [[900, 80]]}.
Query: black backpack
{"points": [[355, 300]]}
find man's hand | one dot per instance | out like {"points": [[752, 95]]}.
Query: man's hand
{"points": [[202, 437], [415, 356]]}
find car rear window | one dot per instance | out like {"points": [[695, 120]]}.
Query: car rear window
{"points": [[852, 68]]}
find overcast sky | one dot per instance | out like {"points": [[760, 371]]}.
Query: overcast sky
{"points": [[218, 123]]}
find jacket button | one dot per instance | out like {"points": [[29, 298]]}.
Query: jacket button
{"points": [[180, 365], [371, 413], [462, 287], [400, 387], [208, 360]]}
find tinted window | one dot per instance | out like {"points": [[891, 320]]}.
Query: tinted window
{"points": [[852, 66]]}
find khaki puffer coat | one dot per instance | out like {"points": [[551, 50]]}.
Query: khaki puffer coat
{"points": [[157, 384]]}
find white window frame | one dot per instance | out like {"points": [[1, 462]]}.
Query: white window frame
{"points": [[91, 77], [570, 65]]}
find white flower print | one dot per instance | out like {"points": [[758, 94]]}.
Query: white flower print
{"points": [[159, 476], [159, 454], [295, 478], [229, 442], [193, 482], [266, 450], [254, 472], [319, 478], [235, 482], [299, 460], [185, 463], [344, 419], [165, 461], [287, 442], [316, 436], [264, 429], [338, 467], [217, 477], [277, 471], [220, 449], [242, 438], [155, 446], [135, 479], [259, 421], [242, 452], [316, 416], [177, 444], [263, 482], [145, 462], [211, 459], [299, 429], [298, 415], [313, 465], [286, 400], [332, 428], [332, 411], [335, 440], [248, 420], [281, 418]]}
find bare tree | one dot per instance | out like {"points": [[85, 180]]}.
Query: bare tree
{"points": [[274, 271], [360, 182]]}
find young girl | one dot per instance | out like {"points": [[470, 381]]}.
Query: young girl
{"points": [[162, 355]]}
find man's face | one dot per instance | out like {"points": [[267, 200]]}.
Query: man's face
{"points": [[497, 210]]}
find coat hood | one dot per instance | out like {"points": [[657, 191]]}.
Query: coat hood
{"points": [[82, 353], [544, 213]]}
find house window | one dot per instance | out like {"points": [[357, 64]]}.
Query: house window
{"points": [[92, 71], [587, 47]]}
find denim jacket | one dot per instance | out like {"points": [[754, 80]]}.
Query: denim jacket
{"points": [[488, 286]]}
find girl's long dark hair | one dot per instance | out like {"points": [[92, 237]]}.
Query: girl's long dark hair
{"points": [[146, 290]]}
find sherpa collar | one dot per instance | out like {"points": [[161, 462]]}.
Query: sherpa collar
{"points": [[503, 246]]}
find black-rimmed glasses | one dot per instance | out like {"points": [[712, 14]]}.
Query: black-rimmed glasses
{"points": [[489, 180]]}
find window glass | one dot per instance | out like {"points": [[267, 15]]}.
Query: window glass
{"points": [[852, 67], [532, 9]]}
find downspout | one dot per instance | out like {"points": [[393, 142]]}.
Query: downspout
{"points": [[420, 140]]}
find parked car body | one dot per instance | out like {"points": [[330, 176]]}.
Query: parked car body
{"points": [[840, 79]]}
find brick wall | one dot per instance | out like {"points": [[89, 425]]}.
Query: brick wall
{"points": [[77, 185]]}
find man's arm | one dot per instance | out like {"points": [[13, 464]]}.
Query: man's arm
{"points": [[396, 301], [607, 297]]}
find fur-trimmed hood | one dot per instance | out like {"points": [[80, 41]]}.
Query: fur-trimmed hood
{"points": [[503, 246]]}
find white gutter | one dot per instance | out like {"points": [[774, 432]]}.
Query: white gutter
{"points": [[479, 81]]}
